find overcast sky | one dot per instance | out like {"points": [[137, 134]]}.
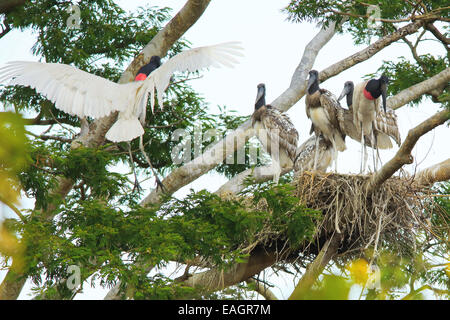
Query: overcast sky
{"points": [[273, 48]]}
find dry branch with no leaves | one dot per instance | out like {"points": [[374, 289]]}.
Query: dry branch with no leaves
{"points": [[403, 155]]}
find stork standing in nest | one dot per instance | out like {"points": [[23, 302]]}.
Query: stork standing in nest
{"points": [[276, 133], [366, 98], [322, 108], [386, 122]]}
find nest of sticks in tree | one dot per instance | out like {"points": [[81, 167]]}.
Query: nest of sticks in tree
{"points": [[389, 216]]}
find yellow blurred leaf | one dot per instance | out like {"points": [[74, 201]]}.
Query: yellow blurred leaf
{"points": [[359, 271]]}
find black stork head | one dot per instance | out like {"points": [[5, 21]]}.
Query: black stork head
{"points": [[313, 81], [260, 96], [377, 88], [155, 62], [347, 92]]}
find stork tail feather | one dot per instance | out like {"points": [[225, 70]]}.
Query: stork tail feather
{"points": [[125, 130]]}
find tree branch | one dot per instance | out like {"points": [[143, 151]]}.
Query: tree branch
{"points": [[315, 268], [369, 51], [438, 81], [442, 38], [403, 155], [217, 278], [262, 289]]}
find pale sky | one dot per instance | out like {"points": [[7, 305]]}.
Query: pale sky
{"points": [[273, 48]]}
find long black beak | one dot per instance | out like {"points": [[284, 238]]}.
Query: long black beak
{"points": [[260, 94], [383, 95], [312, 78], [344, 92]]}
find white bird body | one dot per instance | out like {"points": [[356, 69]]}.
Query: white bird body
{"points": [[320, 119], [366, 102], [86, 95], [364, 111]]}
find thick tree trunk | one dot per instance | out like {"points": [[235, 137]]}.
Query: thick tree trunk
{"points": [[217, 278], [8, 5]]}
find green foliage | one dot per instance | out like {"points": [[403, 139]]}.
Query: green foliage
{"points": [[357, 12], [106, 241]]}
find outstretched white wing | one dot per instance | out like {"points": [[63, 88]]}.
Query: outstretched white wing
{"points": [[72, 90], [222, 54]]}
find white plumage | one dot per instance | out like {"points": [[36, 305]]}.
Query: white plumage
{"points": [[86, 95], [367, 99]]}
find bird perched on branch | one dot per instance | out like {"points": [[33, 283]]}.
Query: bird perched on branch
{"points": [[276, 133], [86, 95], [365, 99], [322, 107]]}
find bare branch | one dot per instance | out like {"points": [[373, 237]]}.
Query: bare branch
{"points": [[438, 81], [369, 51], [217, 278], [442, 38], [403, 155], [262, 289], [48, 137], [12, 207]]}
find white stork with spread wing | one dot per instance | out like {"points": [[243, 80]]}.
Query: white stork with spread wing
{"points": [[86, 95]]}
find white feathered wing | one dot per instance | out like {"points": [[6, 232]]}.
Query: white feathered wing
{"points": [[86, 95], [72, 90]]}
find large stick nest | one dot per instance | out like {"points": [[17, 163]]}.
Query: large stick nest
{"points": [[389, 216]]}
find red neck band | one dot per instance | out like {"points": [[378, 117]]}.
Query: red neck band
{"points": [[140, 76], [368, 95]]}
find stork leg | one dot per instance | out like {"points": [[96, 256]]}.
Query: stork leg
{"points": [[335, 155], [316, 153], [141, 147], [363, 151], [373, 142], [136, 186]]}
